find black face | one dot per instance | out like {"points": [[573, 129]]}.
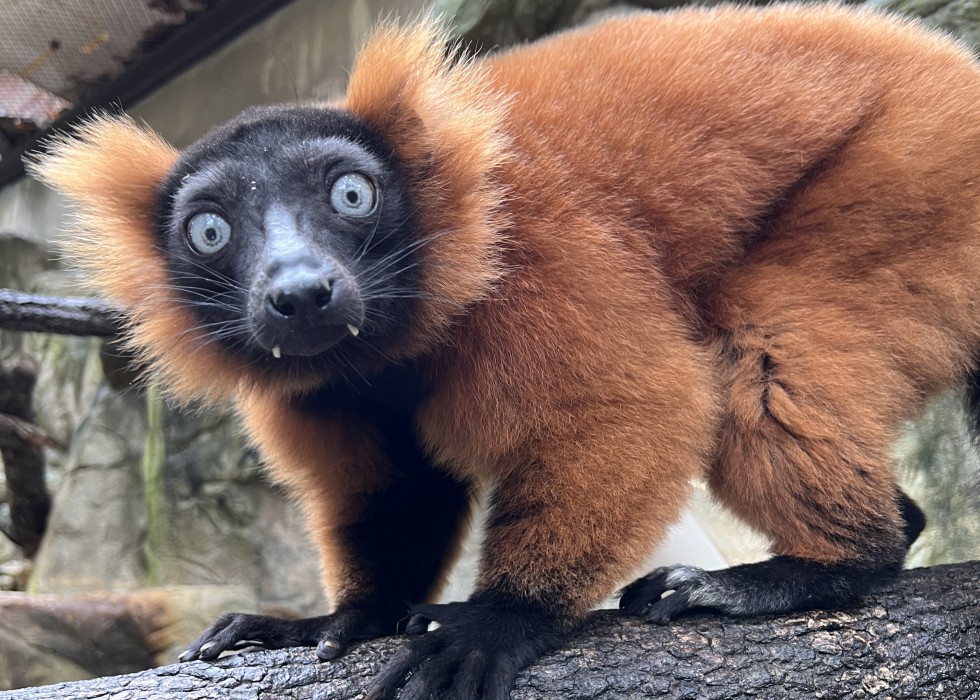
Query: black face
{"points": [[290, 234]]}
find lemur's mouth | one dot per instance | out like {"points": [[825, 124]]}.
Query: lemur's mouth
{"points": [[308, 343]]}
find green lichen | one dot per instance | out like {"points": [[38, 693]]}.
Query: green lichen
{"points": [[151, 471]]}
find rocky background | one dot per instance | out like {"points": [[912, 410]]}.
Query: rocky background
{"points": [[161, 518]]}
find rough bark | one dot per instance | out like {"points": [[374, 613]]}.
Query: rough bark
{"points": [[20, 311], [918, 638], [23, 457]]}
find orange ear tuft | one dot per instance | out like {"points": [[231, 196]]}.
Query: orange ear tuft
{"points": [[112, 170], [445, 121]]}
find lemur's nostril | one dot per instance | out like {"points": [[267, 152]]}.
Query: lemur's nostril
{"points": [[283, 308], [322, 299]]}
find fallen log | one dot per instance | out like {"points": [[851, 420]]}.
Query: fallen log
{"points": [[917, 638]]}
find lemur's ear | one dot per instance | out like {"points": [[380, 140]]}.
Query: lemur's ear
{"points": [[445, 120], [111, 170]]}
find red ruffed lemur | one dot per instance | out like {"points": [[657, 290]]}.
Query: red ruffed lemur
{"points": [[733, 244]]}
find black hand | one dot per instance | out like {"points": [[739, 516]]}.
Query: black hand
{"points": [[477, 651], [331, 634]]}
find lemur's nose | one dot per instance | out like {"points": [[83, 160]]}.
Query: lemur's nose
{"points": [[300, 294]]}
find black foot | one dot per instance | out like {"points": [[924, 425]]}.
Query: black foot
{"points": [[476, 652], [330, 634], [779, 585]]}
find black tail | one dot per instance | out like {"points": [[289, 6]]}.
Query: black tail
{"points": [[973, 404]]}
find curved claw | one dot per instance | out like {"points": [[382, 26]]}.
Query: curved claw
{"points": [[643, 592], [348, 625], [417, 624]]}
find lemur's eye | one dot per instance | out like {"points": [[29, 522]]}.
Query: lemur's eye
{"points": [[353, 194], [208, 233]]}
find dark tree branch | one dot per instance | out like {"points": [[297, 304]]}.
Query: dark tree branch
{"points": [[20, 311], [23, 457], [917, 638], [14, 430]]}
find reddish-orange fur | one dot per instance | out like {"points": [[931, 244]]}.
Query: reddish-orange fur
{"points": [[733, 243]]}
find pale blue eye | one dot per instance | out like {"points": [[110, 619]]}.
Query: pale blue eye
{"points": [[208, 233], [353, 194]]}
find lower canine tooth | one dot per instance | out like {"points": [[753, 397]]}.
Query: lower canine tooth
{"points": [[277, 352], [354, 330]]}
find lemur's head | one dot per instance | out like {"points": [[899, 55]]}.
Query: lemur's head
{"points": [[298, 244], [290, 234]]}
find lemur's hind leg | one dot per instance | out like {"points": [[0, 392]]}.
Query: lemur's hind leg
{"points": [[777, 585], [803, 458]]}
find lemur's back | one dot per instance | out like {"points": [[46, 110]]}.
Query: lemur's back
{"points": [[737, 126]]}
